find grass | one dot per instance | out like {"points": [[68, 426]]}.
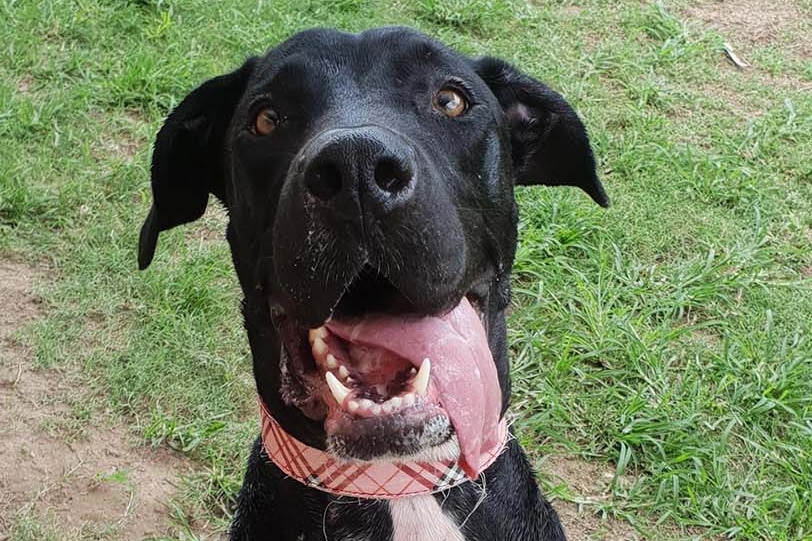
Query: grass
{"points": [[667, 338]]}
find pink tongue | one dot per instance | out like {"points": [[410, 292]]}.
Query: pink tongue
{"points": [[462, 368]]}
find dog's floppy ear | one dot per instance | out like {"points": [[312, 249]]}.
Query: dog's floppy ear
{"points": [[187, 158], [548, 141]]}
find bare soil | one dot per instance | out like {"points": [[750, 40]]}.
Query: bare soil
{"points": [[752, 23], [98, 484], [747, 26], [211, 227], [589, 483]]}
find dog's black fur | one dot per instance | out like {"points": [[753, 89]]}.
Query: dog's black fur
{"points": [[305, 244]]}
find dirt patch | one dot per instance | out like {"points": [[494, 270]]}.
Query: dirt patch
{"points": [[748, 25], [590, 484], [24, 84], [122, 140], [97, 484], [124, 147], [211, 227], [751, 22], [572, 11], [738, 102]]}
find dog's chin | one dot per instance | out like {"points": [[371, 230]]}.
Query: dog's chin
{"points": [[376, 403]]}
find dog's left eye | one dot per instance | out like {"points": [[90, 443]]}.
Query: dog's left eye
{"points": [[266, 121], [450, 102]]}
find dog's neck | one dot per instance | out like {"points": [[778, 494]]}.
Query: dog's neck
{"points": [[386, 480]]}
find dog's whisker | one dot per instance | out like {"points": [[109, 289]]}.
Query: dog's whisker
{"points": [[480, 500]]}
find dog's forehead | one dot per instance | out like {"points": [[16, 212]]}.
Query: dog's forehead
{"points": [[381, 57]]}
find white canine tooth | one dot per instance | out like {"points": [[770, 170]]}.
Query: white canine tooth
{"points": [[387, 407], [352, 406], [321, 332], [376, 409], [337, 388], [332, 362], [343, 372], [408, 399], [395, 401], [319, 348], [421, 380]]}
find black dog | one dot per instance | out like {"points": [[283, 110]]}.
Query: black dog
{"points": [[369, 183]]}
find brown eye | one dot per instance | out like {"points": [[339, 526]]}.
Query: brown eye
{"points": [[450, 102], [266, 122]]}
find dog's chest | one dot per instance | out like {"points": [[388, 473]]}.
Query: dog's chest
{"points": [[421, 519]]}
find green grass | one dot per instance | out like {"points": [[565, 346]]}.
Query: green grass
{"points": [[668, 337]]}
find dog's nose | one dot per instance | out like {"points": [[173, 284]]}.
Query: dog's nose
{"points": [[354, 170]]}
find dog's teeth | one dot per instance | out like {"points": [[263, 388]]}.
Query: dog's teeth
{"points": [[337, 388], [365, 405], [332, 362], [376, 409], [387, 407], [409, 399], [321, 332], [343, 373], [319, 348], [352, 406], [395, 401], [421, 380]]}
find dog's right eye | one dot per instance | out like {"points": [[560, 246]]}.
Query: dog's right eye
{"points": [[450, 102], [265, 122]]}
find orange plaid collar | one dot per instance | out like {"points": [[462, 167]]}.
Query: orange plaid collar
{"points": [[379, 480]]}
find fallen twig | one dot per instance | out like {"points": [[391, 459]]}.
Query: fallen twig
{"points": [[736, 59]]}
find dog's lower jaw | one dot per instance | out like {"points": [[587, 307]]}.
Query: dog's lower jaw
{"points": [[446, 451], [434, 438]]}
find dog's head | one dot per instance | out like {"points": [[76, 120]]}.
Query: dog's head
{"points": [[369, 184]]}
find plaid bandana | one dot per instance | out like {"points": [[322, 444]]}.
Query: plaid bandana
{"points": [[379, 480]]}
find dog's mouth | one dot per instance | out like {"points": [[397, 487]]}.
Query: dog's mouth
{"points": [[389, 384]]}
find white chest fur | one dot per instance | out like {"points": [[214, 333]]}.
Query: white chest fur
{"points": [[421, 519]]}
